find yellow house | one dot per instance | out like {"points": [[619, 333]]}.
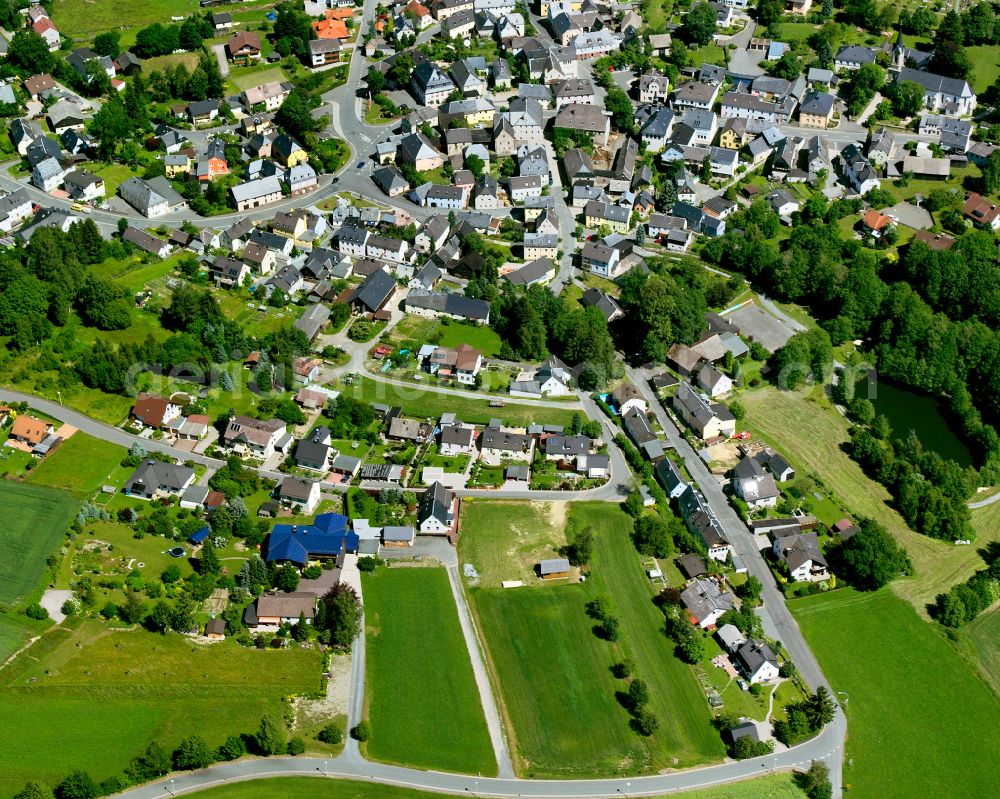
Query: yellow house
{"points": [[288, 151], [176, 165], [730, 140], [481, 116], [615, 217], [543, 7]]}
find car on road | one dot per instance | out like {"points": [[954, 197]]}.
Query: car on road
{"points": [[361, 164]]}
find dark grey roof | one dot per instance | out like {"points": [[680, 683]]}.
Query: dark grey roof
{"points": [[452, 304], [436, 502], [376, 288]]}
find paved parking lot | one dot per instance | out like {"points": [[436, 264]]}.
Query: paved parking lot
{"points": [[756, 324]]}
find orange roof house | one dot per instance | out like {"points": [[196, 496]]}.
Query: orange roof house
{"points": [[418, 10], [330, 29], [339, 13], [29, 429], [875, 220]]}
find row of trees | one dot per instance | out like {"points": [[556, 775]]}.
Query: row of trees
{"points": [[190, 754]]}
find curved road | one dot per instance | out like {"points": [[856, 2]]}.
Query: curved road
{"points": [[350, 765]]}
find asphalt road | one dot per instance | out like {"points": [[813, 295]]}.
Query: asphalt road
{"points": [[776, 617]]}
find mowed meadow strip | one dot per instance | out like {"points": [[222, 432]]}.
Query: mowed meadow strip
{"points": [[423, 703]]}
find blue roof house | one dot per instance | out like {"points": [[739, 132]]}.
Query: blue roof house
{"points": [[327, 537]]}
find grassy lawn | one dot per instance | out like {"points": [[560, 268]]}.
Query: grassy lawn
{"points": [[78, 18], [965, 177], [810, 433], [909, 693], [37, 519], [114, 175], [985, 66], [483, 338], [796, 31], [421, 402], [558, 683], [80, 465], [15, 631], [98, 697], [428, 715], [506, 540], [259, 77], [777, 786], [161, 62]]}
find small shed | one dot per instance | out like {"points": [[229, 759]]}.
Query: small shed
{"points": [[516, 472], [215, 629], [553, 568], [200, 536], [691, 566]]}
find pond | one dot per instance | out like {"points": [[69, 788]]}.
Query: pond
{"points": [[927, 415]]}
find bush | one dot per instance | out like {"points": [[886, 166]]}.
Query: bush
{"points": [[369, 563], [361, 731], [331, 734], [296, 746], [36, 611]]}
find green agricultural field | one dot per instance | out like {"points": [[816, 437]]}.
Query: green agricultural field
{"points": [[685, 732], [97, 698], [810, 433], [777, 786], [556, 688], [483, 338], [908, 692], [554, 672], [506, 540], [422, 698], [36, 521], [80, 465], [421, 402]]}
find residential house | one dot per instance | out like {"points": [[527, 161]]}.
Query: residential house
{"points": [[156, 412], [255, 193], [375, 293], [982, 212], [816, 110], [48, 175], [436, 511], [243, 47], [457, 439], [702, 521], [600, 259], [456, 306], [706, 602], [300, 493], [461, 364], [154, 478], [608, 307], [709, 420], [754, 485], [626, 397], [756, 661], [859, 173], [800, 552], [852, 57], [654, 88], [141, 239], [246, 436], [552, 378], [325, 539], [587, 118], [430, 85]]}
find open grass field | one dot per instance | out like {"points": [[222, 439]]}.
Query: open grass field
{"points": [[985, 67], [98, 697], [555, 684], [506, 540], [80, 465], [79, 18], [36, 519], [483, 338], [423, 403], [984, 635], [810, 433], [423, 703], [778, 786], [259, 77], [554, 672], [910, 694]]}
